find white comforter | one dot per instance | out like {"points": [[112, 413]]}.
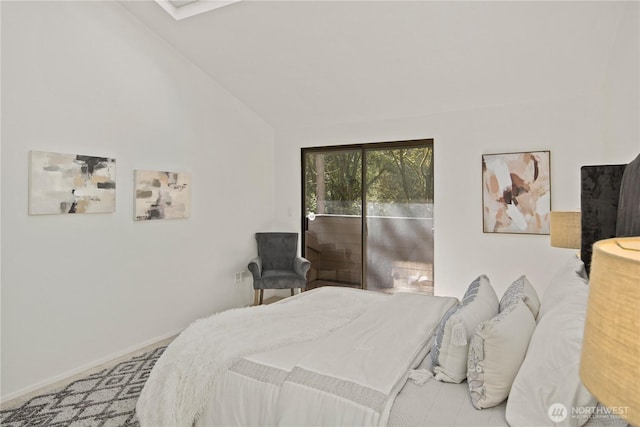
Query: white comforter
{"points": [[352, 377], [332, 356]]}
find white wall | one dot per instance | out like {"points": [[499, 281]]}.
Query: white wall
{"points": [[599, 127], [622, 88], [86, 78]]}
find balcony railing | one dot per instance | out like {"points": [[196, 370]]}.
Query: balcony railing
{"points": [[399, 252]]}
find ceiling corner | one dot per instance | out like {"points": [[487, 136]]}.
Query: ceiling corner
{"points": [[181, 9]]}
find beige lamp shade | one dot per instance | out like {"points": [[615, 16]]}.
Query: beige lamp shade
{"points": [[610, 361], [565, 229]]}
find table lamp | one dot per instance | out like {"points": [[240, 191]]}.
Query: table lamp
{"points": [[610, 360], [565, 229]]}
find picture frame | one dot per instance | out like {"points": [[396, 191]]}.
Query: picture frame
{"points": [[61, 183], [161, 195], [516, 192]]}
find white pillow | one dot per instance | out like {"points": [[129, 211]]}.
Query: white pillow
{"points": [[549, 375], [451, 346], [496, 352], [521, 289], [572, 270]]}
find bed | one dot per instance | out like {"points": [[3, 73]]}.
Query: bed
{"points": [[359, 358]]}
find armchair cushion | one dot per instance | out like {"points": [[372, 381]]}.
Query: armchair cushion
{"points": [[280, 279]]}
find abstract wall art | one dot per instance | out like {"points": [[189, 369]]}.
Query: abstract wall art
{"points": [[516, 192], [162, 195], [71, 183]]}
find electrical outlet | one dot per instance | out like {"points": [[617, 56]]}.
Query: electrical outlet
{"points": [[238, 277]]}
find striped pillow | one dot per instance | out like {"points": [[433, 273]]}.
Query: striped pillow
{"points": [[521, 289], [451, 345]]}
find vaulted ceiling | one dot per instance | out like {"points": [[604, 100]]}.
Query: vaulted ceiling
{"points": [[311, 63]]}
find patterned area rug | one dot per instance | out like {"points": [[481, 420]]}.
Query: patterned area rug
{"points": [[107, 398]]}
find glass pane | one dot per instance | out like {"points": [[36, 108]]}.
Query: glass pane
{"points": [[333, 217], [399, 220]]}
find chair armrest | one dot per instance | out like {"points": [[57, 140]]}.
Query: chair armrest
{"points": [[255, 267], [301, 266]]}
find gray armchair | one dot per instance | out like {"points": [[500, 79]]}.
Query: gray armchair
{"points": [[277, 265]]}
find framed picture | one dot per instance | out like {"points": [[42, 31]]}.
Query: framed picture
{"points": [[71, 183], [516, 192], [162, 195]]}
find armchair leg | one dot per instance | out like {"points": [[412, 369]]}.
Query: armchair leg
{"points": [[256, 297], [293, 292], [261, 295]]}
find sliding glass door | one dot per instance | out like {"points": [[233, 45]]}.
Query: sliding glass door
{"points": [[333, 216], [368, 215], [399, 220]]}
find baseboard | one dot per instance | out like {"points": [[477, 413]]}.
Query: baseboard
{"points": [[129, 351]]}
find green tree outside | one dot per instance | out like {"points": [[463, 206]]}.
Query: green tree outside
{"points": [[398, 177]]}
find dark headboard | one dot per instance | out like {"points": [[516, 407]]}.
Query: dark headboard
{"points": [[600, 191], [610, 204]]}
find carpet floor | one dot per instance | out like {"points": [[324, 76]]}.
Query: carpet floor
{"points": [[107, 398]]}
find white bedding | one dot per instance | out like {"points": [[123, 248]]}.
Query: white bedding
{"points": [[332, 356], [439, 404], [181, 381], [352, 377], [338, 372], [255, 381]]}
